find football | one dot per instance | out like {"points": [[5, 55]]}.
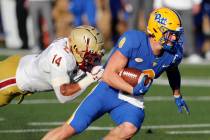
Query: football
{"points": [[133, 76]]}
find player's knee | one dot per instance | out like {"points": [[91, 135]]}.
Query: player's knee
{"points": [[3, 104], [128, 129], [79, 127], [4, 100], [67, 131]]}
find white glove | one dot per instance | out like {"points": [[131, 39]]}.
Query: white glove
{"points": [[97, 72], [94, 76], [86, 81]]}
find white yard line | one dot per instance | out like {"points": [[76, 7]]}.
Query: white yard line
{"points": [[45, 123], [2, 119], [143, 127], [39, 101], [186, 82], [24, 130], [169, 98], [147, 99], [177, 126], [188, 132], [97, 128]]}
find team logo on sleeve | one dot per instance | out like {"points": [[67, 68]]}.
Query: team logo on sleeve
{"points": [[139, 60], [176, 57], [154, 64], [122, 42]]}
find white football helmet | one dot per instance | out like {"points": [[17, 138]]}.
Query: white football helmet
{"points": [[86, 44]]}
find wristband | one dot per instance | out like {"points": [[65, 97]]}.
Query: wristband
{"points": [[85, 82]]}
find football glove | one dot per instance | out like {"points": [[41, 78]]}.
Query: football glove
{"points": [[86, 81], [141, 88], [92, 77], [181, 104], [97, 72]]}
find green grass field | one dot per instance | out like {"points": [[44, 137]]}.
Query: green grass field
{"points": [[41, 112]]}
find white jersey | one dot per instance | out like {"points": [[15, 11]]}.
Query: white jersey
{"points": [[47, 70]]}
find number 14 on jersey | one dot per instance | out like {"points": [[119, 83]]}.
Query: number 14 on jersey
{"points": [[56, 60]]}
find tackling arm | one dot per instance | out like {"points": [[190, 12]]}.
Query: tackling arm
{"points": [[82, 83], [69, 89], [66, 91]]}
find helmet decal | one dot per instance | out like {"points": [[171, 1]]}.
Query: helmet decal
{"points": [[87, 40], [86, 44], [160, 19]]}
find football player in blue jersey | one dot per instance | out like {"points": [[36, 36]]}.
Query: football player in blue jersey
{"points": [[158, 50]]}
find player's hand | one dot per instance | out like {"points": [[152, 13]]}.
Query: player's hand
{"points": [[97, 72], [88, 79], [141, 88], [180, 102]]}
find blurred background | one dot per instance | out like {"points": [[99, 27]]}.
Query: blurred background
{"points": [[28, 26], [32, 24]]}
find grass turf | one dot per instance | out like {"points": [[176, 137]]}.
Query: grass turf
{"points": [[18, 117]]}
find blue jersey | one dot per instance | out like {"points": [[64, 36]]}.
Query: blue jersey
{"points": [[136, 47], [124, 108]]}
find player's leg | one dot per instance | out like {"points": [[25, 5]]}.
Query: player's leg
{"points": [[129, 119], [8, 86], [124, 131], [60, 133], [88, 111]]}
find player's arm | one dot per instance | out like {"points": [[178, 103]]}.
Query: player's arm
{"points": [[111, 73], [174, 79], [72, 88], [67, 91], [111, 76]]}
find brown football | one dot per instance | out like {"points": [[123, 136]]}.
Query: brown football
{"points": [[132, 76]]}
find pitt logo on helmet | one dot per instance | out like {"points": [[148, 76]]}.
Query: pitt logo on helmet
{"points": [[160, 19]]}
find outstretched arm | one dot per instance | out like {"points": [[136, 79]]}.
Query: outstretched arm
{"points": [[67, 91], [73, 88]]}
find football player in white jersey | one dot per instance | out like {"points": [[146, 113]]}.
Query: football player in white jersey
{"points": [[67, 66]]}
